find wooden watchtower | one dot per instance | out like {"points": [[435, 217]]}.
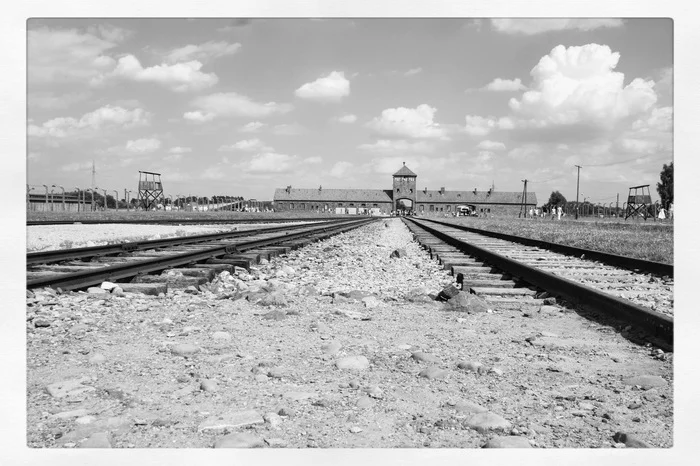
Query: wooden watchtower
{"points": [[638, 202], [150, 190]]}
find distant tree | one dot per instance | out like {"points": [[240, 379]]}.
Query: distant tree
{"points": [[556, 199], [665, 188]]}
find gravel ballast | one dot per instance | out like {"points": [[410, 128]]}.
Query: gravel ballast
{"points": [[334, 345]]}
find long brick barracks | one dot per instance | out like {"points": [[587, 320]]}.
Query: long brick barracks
{"points": [[404, 196]]}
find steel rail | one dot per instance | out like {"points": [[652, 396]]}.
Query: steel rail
{"points": [[180, 221], [59, 255], [655, 323], [71, 281], [607, 258]]}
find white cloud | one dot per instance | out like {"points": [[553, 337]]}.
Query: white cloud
{"points": [[143, 146], [531, 26], [636, 146], [504, 85], [67, 55], [479, 126], [103, 117], [203, 52], [491, 145], [179, 150], [178, 77], [340, 169], [660, 119], [252, 127], [578, 85], [331, 88], [313, 160], [110, 32], [271, 162], [77, 166], [198, 116], [413, 71], [246, 145], [349, 118], [230, 104], [397, 145], [408, 122]]}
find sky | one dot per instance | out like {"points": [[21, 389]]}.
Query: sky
{"points": [[243, 106]]}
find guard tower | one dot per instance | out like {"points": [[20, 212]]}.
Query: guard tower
{"points": [[638, 202], [404, 189], [150, 190]]}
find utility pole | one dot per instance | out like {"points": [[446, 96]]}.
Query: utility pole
{"points": [[523, 207], [578, 174], [93, 175], [617, 204]]}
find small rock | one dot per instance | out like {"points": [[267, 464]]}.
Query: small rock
{"points": [[96, 359], [483, 422], [467, 302], [276, 442], [276, 373], [209, 385], [645, 381], [185, 349], [239, 440], [496, 371], [364, 402], [273, 419], [41, 323], [433, 372], [630, 441], [469, 407], [398, 253], [508, 442], [353, 363], [420, 356], [355, 430], [331, 348], [447, 293], [221, 336], [471, 366], [96, 290], [275, 315], [97, 440], [231, 420]]}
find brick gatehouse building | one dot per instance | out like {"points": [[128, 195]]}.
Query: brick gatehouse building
{"points": [[404, 195]]}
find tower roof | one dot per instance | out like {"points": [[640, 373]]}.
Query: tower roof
{"points": [[404, 171]]}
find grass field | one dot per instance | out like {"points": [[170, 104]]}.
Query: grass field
{"points": [[644, 240], [112, 215]]}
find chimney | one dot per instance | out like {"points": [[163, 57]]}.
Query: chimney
{"points": [[425, 190], [289, 189], [319, 187], [475, 191], [442, 190]]}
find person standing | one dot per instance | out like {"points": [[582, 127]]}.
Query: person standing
{"points": [[559, 209], [670, 211], [662, 214]]}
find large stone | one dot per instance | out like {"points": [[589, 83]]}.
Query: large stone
{"points": [[508, 442], [398, 253], [483, 422], [352, 363], [231, 420], [467, 302], [471, 366], [273, 299], [371, 302], [645, 381], [239, 440], [70, 387]]}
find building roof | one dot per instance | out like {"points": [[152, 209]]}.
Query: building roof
{"points": [[404, 171], [333, 195], [468, 197]]}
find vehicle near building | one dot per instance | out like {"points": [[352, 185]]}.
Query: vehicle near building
{"points": [[466, 211]]}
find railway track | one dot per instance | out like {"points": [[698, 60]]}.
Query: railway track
{"points": [[182, 221], [188, 261], [519, 272]]}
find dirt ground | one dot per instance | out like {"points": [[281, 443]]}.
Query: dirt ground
{"points": [[336, 345]]}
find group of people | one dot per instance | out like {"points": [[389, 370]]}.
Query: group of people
{"points": [[662, 212], [553, 211]]}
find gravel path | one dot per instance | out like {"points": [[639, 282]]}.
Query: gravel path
{"points": [[335, 345], [52, 237]]}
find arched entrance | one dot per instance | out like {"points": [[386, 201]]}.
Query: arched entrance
{"points": [[404, 206]]}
